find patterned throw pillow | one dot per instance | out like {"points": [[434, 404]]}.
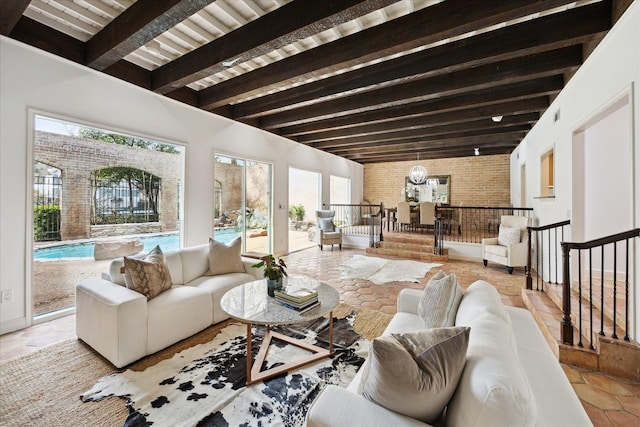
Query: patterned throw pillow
{"points": [[327, 225], [149, 275], [416, 373], [440, 300], [508, 235], [225, 258]]}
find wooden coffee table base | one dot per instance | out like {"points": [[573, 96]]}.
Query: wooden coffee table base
{"points": [[254, 374]]}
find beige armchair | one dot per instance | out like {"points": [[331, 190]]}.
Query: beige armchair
{"points": [[511, 246], [327, 233]]}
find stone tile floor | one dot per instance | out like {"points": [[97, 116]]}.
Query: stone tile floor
{"points": [[608, 400]]}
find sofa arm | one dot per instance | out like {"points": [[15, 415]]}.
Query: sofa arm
{"points": [[113, 320], [258, 273], [338, 407], [408, 300]]}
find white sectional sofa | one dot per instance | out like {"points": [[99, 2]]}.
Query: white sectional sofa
{"points": [[123, 326], [510, 377]]}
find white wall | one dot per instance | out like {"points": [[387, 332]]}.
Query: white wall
{"points": [[30, 78], [611, 73]]}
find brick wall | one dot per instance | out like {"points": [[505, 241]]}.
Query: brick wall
{"points": [[475, 180], [78, 157]]}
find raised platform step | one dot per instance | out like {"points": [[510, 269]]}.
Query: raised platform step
{"points": [[409, 245], [613, 356], [410, 254]]}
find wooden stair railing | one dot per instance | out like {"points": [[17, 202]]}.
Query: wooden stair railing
{"points": [[539, 239], [566, 326]]}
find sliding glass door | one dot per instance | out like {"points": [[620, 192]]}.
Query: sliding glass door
{"points": [[304, 199], [242, 203]]}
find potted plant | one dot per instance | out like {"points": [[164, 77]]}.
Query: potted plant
{"points": [[274, 270]]}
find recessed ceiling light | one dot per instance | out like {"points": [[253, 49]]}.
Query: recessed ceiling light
{"points": [[496, 118]]}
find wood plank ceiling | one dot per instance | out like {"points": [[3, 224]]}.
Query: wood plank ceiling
{"points": [[368, 80]]}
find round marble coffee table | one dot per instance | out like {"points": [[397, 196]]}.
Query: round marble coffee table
{"points": [[250, 304]]}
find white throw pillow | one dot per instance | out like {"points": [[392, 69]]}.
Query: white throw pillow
{"points": [[327, 225], [439, 302], [416, 373], [225, 258], [508, 235]]}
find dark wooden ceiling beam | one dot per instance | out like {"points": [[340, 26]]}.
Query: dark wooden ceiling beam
{"points": [[46, 38], [433, 154], [540, 88], [486, 124], [139, 24], [294, 21], [424, 149], [484, 112], [434, 141], [551, 32], [10, 13], [486, 76], [130, 72], [431, 24]]}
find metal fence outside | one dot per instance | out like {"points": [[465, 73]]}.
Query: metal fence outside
{"points": [[47, 192]]}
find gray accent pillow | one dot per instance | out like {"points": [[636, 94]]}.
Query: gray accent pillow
{"points": [[326, 224], [225, 258], [508, 235], [440, 300], [416, 373], [148, 275]]}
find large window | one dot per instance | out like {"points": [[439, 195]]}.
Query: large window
{"points": [[90, 187], [242, 204]]}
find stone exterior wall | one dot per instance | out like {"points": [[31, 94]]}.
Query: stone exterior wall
{"points": [[78, 157], [475, 180]]}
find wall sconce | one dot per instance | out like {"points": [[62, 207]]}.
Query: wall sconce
{"points": [[476, 151]]}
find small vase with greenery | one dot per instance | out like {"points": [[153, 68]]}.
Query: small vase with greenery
{"points": [[274, 270]]}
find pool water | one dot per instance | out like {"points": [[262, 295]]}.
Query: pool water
{"points": [[167, 242]]}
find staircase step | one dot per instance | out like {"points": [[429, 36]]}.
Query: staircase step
{"points": [[555, 293], [613, 356], [548, 317], [420, 239]]}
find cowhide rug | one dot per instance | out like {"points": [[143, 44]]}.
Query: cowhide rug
{"points": [[381, 270], [205, 384]]}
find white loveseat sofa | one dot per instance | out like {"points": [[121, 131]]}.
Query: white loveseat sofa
{"points": [[510, 377], [123, 326]]}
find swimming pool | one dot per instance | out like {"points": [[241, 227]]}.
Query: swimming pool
{"points": [[167, 242]]}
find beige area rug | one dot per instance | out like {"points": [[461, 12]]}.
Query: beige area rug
{"points": [[383, 270], [44, 388]]}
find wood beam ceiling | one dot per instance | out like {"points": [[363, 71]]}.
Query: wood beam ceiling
{"points": [[427, 81]]}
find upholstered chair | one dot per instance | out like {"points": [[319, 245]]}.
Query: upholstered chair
{"points": [[428, 214], [405, 218], [327, 233], [511, 246]]}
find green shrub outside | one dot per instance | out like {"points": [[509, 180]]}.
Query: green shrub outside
{"points": [[46, 222]]}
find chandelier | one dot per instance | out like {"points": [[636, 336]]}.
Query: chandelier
{"points": [[418, 174]]}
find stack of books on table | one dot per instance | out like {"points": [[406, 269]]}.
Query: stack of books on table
{"points": [[298, 299]]}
